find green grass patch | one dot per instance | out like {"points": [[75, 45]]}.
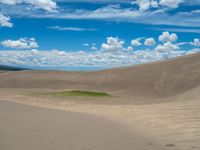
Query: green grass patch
{"points": [[76, 93]]}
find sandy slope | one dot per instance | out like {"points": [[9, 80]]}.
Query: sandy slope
{"points": [[30, 128], [168, 94], [161, 79]]}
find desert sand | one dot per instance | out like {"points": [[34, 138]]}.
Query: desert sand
{"points": [[24, 127], [159, 102]]}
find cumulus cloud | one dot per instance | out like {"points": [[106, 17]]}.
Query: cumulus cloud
{"points": [[196, 42], [113, 54], [34, 51], [5, 21], [143, 4], [58, 53], [129, 48], [136, 42], [149, 42], [48, 5], [113, 44], [22, 43], [167, 37], [195, 50], [146, 4], [91, 45], [63, 59], [93, 48], [171, 3], [166, 47]]}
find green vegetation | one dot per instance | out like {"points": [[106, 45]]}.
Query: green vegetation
{"points": [[77, 93]]}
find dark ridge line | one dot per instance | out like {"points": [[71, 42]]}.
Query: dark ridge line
{"points": [[10, 68]]}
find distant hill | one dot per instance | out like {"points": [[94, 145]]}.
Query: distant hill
{"points": [[9, 68]]}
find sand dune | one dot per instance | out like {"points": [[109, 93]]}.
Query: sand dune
{"points": [[28, 128], [158, 100], [160, 79]]}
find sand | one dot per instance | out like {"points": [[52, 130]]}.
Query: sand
{"points": [[159, 102], [30, 128], [154, 80]]}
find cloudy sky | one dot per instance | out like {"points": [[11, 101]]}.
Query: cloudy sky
{"points": [[96, 34]]}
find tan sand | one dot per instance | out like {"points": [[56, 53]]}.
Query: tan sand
{"points": [[161, 101], [30, 128], [154, 80]]}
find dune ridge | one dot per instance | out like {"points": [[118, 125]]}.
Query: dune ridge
{"points": [[156, 80]]}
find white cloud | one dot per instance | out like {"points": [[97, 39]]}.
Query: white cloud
{"points": [[159, 16], [116, 13], [196, 42], [143, 4], [48, 5], [81, 52], [136, 42], [166, 47], [146, 4], [149, 42], [112, 54], [129, 48], [22, 43], [182, 43], [58, 52], [106, 12], [154, 3], [10, 2], [113, 44], [61, 53], [5, 21], [93, 48], [195, 50], [63, 59], [86, 44], [34, 51], [91, 45], [70, 28], [181, 30], [171, 3], [167, 37]]}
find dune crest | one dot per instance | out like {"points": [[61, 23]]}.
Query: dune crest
{"points": [[154, 80]]}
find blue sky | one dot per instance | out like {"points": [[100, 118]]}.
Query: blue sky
{"points": [[83, 34]]}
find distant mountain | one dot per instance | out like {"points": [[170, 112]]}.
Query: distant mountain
{"points": [[9, 68]]}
